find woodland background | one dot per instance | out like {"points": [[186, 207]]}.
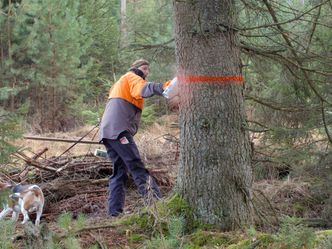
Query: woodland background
{"points": [[59, 58]]}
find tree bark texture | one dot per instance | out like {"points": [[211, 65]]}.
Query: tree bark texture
{"points": [[215, 174]]}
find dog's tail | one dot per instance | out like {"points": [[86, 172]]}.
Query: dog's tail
{"points": [[36, 190]]}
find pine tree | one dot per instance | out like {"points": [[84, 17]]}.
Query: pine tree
{"points": [[48, 40], [102, 17]]}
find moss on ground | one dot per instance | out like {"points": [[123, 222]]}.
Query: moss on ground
{"points": [[209, 239], [174, 206], [170, 224], [142, 221]]}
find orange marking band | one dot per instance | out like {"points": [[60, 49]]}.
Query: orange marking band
{"points": [[210, 79]]}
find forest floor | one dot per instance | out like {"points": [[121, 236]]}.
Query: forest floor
{"points": [[75, 183], [81, 186]]}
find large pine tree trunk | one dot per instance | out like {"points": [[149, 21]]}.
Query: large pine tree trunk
{"points": [[215, 172]]}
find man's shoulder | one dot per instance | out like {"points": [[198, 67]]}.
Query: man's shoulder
{"points": [[132, 77], [129, 76]]}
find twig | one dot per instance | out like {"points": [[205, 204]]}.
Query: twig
{"points": [[284, 22], [63, 140], [79, 140], [24, 172], [255, 244], [313, 28], [324, 122], [278, 107], [293, 51], [32, 162], [101, 244], [89, 228]]}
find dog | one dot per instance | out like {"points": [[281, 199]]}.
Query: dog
{"points": [[22, 199]]}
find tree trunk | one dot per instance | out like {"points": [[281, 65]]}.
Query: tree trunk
{"points": [[123, 24], [215, 172], [13, 83]]}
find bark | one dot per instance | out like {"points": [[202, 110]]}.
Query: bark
{"points": [[215, 172], [123, 24], [13, 83]]}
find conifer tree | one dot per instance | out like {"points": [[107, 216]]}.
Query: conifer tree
{"points": [[48, 41], [103, 51]]}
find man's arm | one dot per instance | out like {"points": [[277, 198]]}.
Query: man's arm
{"points": [[151, 88]]}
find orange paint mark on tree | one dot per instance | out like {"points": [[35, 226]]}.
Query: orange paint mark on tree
{"points": [[230, 79]]}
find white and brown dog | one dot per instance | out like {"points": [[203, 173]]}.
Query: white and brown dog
{"points": [[22, 199]]}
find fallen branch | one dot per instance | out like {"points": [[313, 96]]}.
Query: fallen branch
{"points": [[33, 162], [61, 140], [24, 172], [84, 229], [318, 222]]}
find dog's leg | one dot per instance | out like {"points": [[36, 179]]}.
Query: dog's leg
{"points": [[25, 215], [16, 213], [15, 216], [38, 214], [5, 212]]}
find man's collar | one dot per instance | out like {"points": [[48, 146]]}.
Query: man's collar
{"points": [[137, 72]]}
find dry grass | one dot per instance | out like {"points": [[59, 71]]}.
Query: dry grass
{"points": [[158, 143], [57, 148], [151, 142], [291, 197], [280, 190]]}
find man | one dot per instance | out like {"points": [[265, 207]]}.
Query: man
{"points": [[118, 126]]}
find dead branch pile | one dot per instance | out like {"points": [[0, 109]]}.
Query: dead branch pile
{"points": [[77, 184]]}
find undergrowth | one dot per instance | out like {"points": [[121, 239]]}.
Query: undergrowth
{"points": [[177, 229], [169, 224], [6, 234]]}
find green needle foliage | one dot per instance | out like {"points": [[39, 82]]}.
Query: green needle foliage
{"points": [[294, 235], [9, 130]]}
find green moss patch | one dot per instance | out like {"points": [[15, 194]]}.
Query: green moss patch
{"points": [[208, 239]]}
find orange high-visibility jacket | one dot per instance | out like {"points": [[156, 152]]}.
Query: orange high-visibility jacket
{"points": [[125, 104], [131, 87]]}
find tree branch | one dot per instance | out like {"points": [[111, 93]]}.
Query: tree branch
{"points": [[151, 46], [313, 28], [325, 124], [276, 23], [293, 51], [277, 106]]}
